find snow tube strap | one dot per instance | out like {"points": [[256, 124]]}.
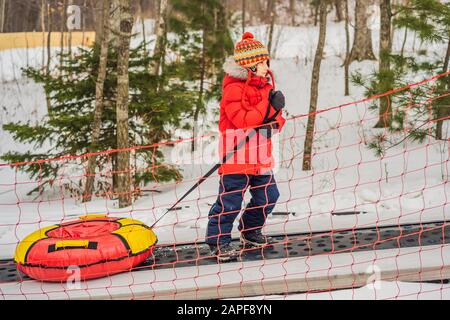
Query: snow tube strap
{"points": [[72, 244]]}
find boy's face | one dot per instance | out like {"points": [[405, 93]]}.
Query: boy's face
{"points": [[262, 68]]}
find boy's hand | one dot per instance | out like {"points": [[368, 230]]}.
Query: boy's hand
{"points": [[277, 99]]}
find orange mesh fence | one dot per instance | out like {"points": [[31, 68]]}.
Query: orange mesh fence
{"points": [[370, 215]]}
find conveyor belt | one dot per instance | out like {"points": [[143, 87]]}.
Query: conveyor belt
{"points": [[293, 245]]}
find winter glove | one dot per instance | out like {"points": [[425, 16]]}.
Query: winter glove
{"points": [[276, 99]]}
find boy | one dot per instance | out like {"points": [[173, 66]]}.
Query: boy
{"points": [[248, 100]]}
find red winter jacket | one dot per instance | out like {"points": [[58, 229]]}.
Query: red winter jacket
{"points": [[245, 103]]}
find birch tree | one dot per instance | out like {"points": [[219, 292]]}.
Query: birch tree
{"points": [[362, 42], [161, 31], [385, 74], [125, 25], [99, 87]]}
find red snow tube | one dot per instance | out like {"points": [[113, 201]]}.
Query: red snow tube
{"points": [[92, 247]]}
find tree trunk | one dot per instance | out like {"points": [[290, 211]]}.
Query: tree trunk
{"points": [[447, 57], [49, 53], [2, 25], [141, 14], [43, 6], [269, 10], [272, 25], [292, 11], [385, 110], [315, 87], [69, 40], [98, 9], [338, 6], [99, 87], [83, 22], [63, 21], [160, 46], [316, 13], [226, 14], [347, 51], [26, 21], [202, 84], [244, 7], [362, 42], [443, 111], [405, 36], [123, 51]]}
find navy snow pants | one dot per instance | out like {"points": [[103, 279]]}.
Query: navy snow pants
{"points": [[227, 207]]}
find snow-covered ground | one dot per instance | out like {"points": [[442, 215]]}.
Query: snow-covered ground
{"points": [[408, 185], [369, 272], [382, 290]]}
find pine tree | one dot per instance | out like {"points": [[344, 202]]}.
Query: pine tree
{"points": [[203, 42], [430, 19], [66, 130], [409, 109]]}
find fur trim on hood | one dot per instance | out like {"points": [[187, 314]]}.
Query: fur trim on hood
{"points": [[234, 70]]}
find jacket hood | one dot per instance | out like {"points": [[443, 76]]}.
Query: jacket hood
{"points": [[235, 73], [234, 70]]}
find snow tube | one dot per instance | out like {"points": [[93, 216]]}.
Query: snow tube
{"points": [[93, 246]]}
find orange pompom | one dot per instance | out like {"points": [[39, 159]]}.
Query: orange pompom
{"points": [[248, 35]]}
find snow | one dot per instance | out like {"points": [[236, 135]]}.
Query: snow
{"points": [[259, 279], [408, 185], [381, 290]]}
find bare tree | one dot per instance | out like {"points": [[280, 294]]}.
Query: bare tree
{"points": [[362, 42], [141, 16], [385, 110], [244, 7], [161, 32], [268, 10], [338, 6], [99, 88], [199, 105], [3, 16], [442, 110], [62, 26], [125, 26], [405, 37], [347, 50], [292, 11], [315, 3], [49, 52], [272, 24], [98, 9], [315, 86], [69, 31], [83, 22], [43, 10]]}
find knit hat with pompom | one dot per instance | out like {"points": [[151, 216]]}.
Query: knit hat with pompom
{"points": [[249, 52]]}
